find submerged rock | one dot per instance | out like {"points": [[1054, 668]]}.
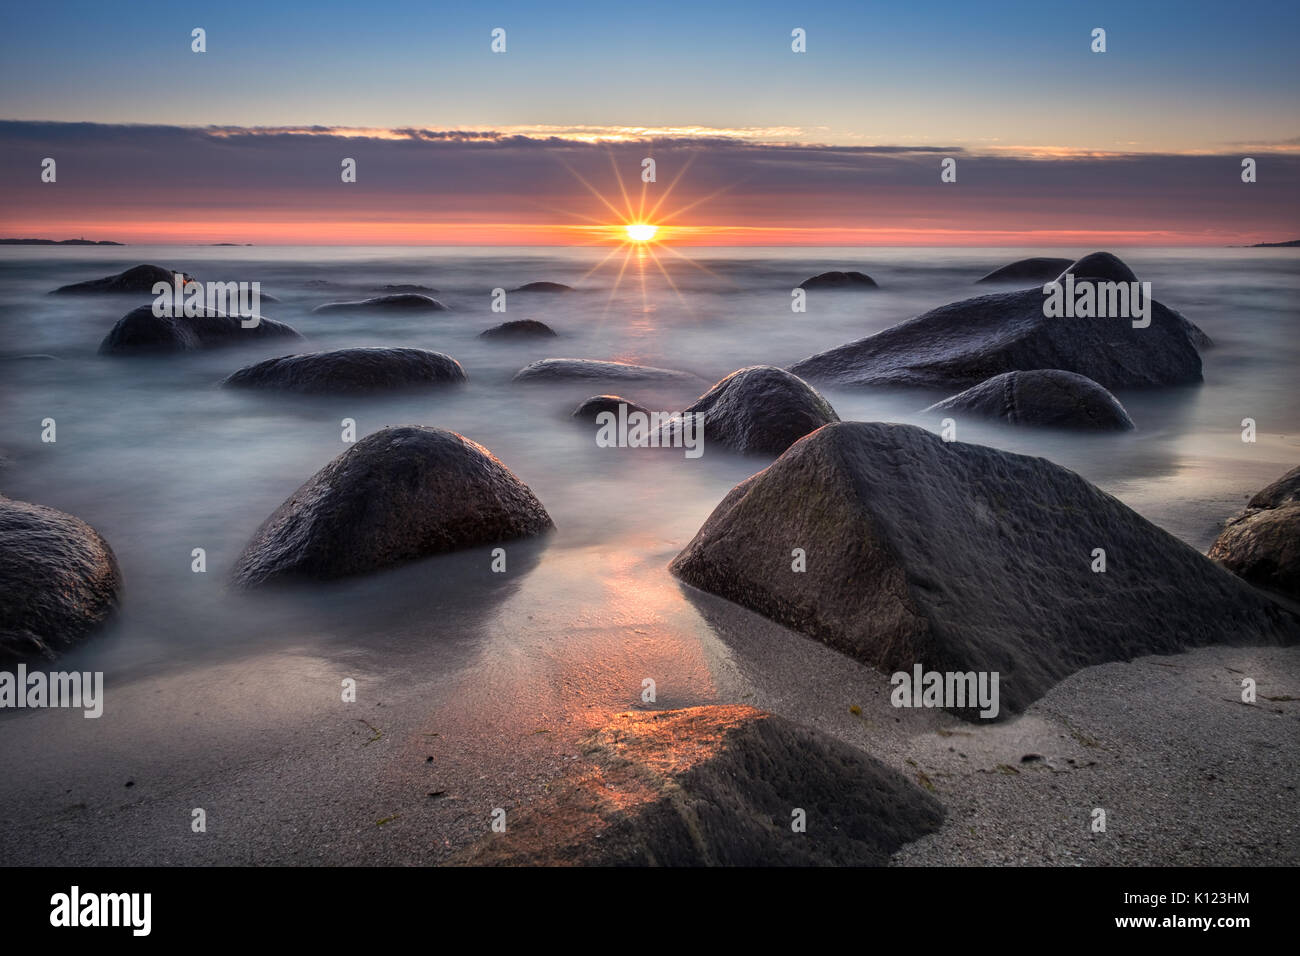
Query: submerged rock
{"points": [[140, 331], [543, 287], [137, 279], [1038, 269], [351, 371], [397, 495], [758, 410], [59, 580], [1047, 397], [715, 786], [840, 280], [593, 406], [961, 558], [578, 370], [1262, 543], [408, 287], [963, 343], [397, 302], [519, 329]]}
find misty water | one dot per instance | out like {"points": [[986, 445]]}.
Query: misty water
{"points": [[161, 460]]}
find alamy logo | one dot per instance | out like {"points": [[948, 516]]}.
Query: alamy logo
{"points": [[194, 299], [1090, 299], [953, 690], [56, 689], [651, 430], [74, 909]]}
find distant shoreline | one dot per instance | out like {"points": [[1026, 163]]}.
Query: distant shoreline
{"points": [[58, 242]]}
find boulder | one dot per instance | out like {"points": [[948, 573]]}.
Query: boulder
{"points": [[758, 410], [408, 287], [961, 344], [137, 279], [1262, 543], [519, 329], [397, 495], [1101, 266], [1047, 397], [351, 371], [714, 786], [581, 370], [140, 331], [839, 280], [589, 409], [58, 580], [397, 302], [1036, 270], [961, 558], [543, 287]]}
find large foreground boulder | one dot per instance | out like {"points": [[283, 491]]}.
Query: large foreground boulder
{"points": [[137, 279], [715, 786], [583, 370], [1035, 270], [397, 302], [962, 558], [58, 580], [758, 410], [1049, 398], [351, 371], [1262, 543], [140, 331], [399, 494], [839, 280], [961, 344]]}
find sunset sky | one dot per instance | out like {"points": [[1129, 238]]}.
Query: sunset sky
{"points": [[840, 145]]}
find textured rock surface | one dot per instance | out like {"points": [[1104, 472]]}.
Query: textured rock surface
{"points": [[140, 331], [963, 558], [58, 580], [591, 407], [351, 371], [963, 343], [398, 302], [519, 329], [1047, 397], [543, 287], [138, 279], [1262, 543], [1038, 269], [839, 280], [400, 494], [571, 370], [759, 410], [715, 786]]}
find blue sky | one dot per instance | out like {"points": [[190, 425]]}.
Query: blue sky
{"points": [[1176, 76]]}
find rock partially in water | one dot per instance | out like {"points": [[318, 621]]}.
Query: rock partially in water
{"points": [[407, 287], [1262, 543], [715, 786], [1049, 398], [142, 332], [839, 280], [543, 287], [59, 580], [961, 558], [400, 494], [1035, 270], [519, 329], [589, 409], [758, 410], [581, 370], [397, 302], [961, 344], [351, 371], [137, 279]]}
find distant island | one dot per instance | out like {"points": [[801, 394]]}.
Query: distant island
{"points": [[57, 242], [1275, 245]]}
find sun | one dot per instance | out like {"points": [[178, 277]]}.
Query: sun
{"points": [[640, 231]]}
